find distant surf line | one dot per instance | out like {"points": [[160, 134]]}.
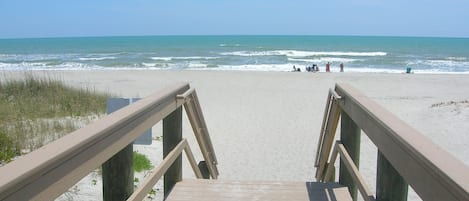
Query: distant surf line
{"points": [[299, 53]]}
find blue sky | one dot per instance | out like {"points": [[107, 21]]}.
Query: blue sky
{"points": [[62, 18]]}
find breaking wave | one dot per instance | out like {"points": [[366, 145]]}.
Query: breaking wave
{"points": [[182, 58], [95, 58], [325, 60], [297, 53]]}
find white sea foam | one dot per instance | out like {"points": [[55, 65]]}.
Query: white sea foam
{"points": [[439, 63], [288, 67], [157, 65], [183, 58], [457, 58], [438, 71], [257, 67], [186, 65], [195, 58], [400, 71], [252, 53], [197, 65], [77, 66], [162, 58], [106, 54], [46, 66], [149, 64], [325, 60], [95, 58], [395, 71], [24, 64], [449, 63], [372, 70], [229, 45], [297, 53], [34, 57], [5, 56], [6, 66]]}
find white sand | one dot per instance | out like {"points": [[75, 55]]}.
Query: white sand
{"points": [[265, 125]]}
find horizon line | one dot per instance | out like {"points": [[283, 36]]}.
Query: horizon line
{"points": [[216, 35]]}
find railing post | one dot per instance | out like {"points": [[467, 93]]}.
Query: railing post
{"points": [[350, 138], [390, 186], [118, 175], [172, 135]]}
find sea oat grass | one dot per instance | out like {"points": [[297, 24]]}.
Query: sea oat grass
{"points": [[37, 110], [32, 98]]}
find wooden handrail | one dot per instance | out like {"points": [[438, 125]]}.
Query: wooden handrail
{"points": [[339, 149], [196, 118], [319, 149], [46, 173], [431, 171], [326, 137], [157, 172]]}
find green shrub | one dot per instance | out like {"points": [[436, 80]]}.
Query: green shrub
{"points": [[141, 162]]}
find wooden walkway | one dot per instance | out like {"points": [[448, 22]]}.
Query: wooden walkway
{"points": [[222, 190], [405, 157]]}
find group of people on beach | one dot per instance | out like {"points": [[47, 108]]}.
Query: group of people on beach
{"points": [[315, 68]]}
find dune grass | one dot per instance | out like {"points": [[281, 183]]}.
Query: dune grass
{"points": [[33, 98], [37, 110]]}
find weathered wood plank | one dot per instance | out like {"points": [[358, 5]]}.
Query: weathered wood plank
{"points": [[118, 175], [157, 172], [355, 174], [172, 135], [323, 127], [350, 135], [431, 171], [222, 190], [196, 118], [328, 136], [389, 184]]}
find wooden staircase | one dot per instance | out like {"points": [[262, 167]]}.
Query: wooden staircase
{"points": [[223, 190], [405, 157]]}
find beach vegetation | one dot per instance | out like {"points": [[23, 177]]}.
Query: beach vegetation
{"points": [[8, 148], [464, 103], [151, 195], [141, 162], [38, 110]]}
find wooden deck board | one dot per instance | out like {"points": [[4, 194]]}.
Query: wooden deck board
{"points": [[221, 190]]}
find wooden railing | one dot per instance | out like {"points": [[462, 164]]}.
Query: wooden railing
{"points": [[48, 172], [405, 156]]}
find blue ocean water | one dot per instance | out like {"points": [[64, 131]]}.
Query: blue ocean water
{"points": [[258, 53]]}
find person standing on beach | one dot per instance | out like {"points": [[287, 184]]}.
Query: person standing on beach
{"points": [[342, 67], [328, 67]]}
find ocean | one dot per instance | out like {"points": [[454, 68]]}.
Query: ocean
{"points": [[241, 53]]}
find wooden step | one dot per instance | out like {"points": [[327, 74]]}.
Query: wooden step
{"points": [[221, 190]]}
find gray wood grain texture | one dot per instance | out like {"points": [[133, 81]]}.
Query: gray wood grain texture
{"points": [[222, 190]]}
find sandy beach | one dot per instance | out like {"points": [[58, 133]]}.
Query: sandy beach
{"points": [[265, 125]]}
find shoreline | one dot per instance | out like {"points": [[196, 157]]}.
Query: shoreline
{"points": [[353, 70]]}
